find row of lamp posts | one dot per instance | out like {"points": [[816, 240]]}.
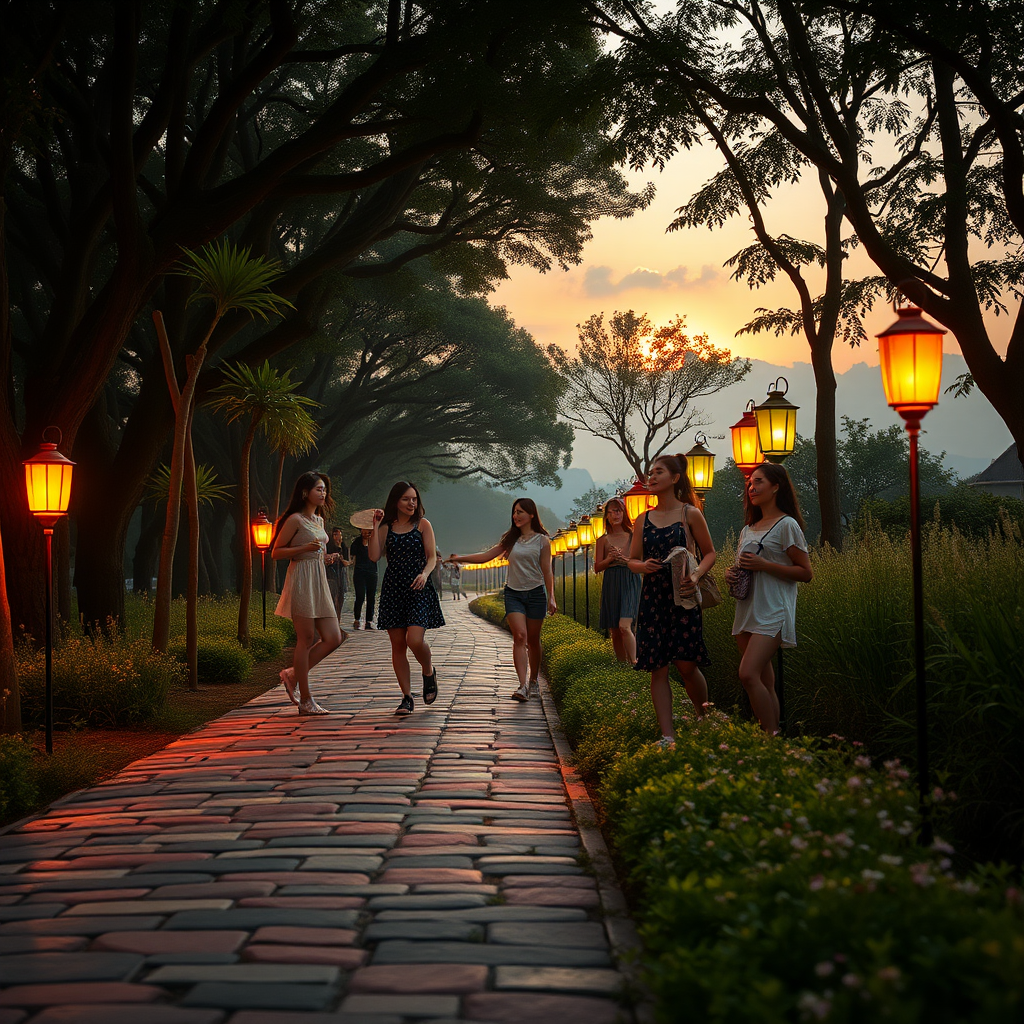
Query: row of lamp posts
{"points": [[910, 351]]}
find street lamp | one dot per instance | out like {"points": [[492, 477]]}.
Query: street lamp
{"points": [[746, 452], [48, 487], [262, 532], [558, 548], [911, 356], [638, 499], [700, 467], [572, 542], [586, 534], [597, 521], [776, 422]]}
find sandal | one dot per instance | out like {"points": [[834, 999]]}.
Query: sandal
{"points": [[312, 708], [288, 684], [430, 688]]}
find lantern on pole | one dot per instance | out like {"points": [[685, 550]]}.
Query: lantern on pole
{"points": [[48, 489], [597, 521], [638, 499], [910, 351], [700, 467], [572, 542], [262, 532], [776, 422], [586, 535], [746, 452]]}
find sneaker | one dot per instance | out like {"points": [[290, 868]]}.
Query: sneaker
{"points": [[521, 692], [369, 625], [310, 707], [430, 688], [355, 623], [405, 708]]}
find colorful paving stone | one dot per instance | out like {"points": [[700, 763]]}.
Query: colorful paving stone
{"points": [[271, 869]]}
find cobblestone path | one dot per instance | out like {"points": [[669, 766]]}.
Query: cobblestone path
{"points": [[353, 869]]}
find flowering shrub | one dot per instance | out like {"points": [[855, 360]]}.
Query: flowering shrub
{"points": [[219, 659], [17, 779]]}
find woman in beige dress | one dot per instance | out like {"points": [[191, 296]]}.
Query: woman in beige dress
{"points": [[300, 537]]}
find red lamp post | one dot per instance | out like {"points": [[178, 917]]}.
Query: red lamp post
{"points": [[911, 361], [638, 499], [746, 452], [48, 488]]}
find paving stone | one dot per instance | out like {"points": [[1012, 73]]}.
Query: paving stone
{"points": [[151, 943], [575, 934], [306, 877], [517, 1007], [252, 918], [342, 862], [44, 968], [305, 902], [345, 958], [83, 925], [429, 901], [31, 910], [414, 876], [17, 1016], [218, 866], [89, 896], [425, 979], [79, 992], [399, 951], [565, 881], [306, 936], [125, 882], [405, 1006], [149, 906], [456, 888], [120, 1014], [229, 890], [253, 974], [464, 931], [367, 890], [41, 944], [552, 896], [284, 1017], [231, 996], [419, 839], [518, 867], [487, 915], [370, 839], [431, 861], [584, 981]]}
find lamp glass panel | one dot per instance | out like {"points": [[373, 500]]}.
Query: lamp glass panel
{"points": [[572, 539], [262, 531], [745, 449], [701, 471], [776, 429], [635, 503], [597, 522], [48, 486], [585, 531], [911, 369]]}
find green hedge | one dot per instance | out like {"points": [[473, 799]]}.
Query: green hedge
{"points": [[220, 659], [18, 790], [779, 880]]}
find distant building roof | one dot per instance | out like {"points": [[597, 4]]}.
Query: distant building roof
{"points": [[1004, 470]]}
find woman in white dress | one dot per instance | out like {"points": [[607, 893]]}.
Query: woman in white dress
{"points": [[299, 536], [772, 547]]}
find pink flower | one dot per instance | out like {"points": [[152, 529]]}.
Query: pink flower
{"points": [[824, 969], [817, 882], [854, 782]]}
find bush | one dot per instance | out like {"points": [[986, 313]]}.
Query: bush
{"points": [[18, 790], [265, 646], [100, 681], [220, 659]]}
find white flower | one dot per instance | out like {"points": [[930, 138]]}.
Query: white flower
{"points": [[824, 969], [872, 876]]}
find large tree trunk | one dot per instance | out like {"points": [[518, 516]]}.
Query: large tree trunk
{"points": [[192, 593], [244, 541], [147, 550], [827, 454], [10, 694]]}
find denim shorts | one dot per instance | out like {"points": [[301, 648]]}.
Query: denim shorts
{"points": [[531, 603]]}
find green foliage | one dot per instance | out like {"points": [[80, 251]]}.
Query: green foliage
{"points": [[266, 645], [18, 789], [221, 659], [208, 490], [97, 680], [971, 510], [268, 397]]}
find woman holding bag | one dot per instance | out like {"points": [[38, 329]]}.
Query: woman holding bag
{"points": [[771, 559], [666, 633]]}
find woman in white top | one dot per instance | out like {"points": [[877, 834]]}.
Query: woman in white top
{"points": [[529, 590], [772, 547]]}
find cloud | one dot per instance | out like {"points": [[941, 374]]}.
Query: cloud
{"points": [[597, 280]]}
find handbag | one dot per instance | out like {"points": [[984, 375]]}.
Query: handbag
{"points": [[739, 579], [707, 587]]}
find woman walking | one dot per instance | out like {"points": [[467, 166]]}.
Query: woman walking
{"points": [[529, 590], [299, 536], [773, 549], [408, 601], [666, 633], [364, 579], [620, 588]]}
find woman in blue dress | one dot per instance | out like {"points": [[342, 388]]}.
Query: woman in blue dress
{"points": [[620, 588], [666, 633], [408, 601]]}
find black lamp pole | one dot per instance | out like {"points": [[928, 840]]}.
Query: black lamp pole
{"points": [[48, 533]]}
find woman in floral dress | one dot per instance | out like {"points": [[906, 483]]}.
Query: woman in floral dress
{"points": [[666, 633]]}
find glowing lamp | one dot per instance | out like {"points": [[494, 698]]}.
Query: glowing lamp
{"points": [[700, 464], [638, 499], [572, 538], [746, 452], [585, 530], [262, 530], [48, 481], [911, 355], [597, 521], [776, 422], [558, 543]]}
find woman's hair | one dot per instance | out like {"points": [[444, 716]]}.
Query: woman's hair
{"points": [[677, 464], [627, 523], [303, 486], [391, 505], [785, 497], [510, 536]]}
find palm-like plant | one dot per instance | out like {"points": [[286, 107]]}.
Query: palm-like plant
{"points": [[267, 399], [208, 491], [231, 279]]}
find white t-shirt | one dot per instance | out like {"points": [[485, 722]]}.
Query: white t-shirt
{"points": [[770, 607], [524, 572]]}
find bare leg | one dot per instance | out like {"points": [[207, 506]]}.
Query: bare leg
{"points": [[695, 683], [617, 645], [758, 678], [533, 627], [517, 625], [305, 640], [628, 640], [661, 697], [417, 643], [400, 659]]}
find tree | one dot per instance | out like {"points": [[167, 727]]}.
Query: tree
{"points": [[585, 504], [342, 139], [911, 109], [267, 400], [630, 371]]}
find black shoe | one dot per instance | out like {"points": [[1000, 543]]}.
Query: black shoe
{"points": [[430, 688], [405, 708]]}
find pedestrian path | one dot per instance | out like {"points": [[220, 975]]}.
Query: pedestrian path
{"points": [[352, 869]]}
